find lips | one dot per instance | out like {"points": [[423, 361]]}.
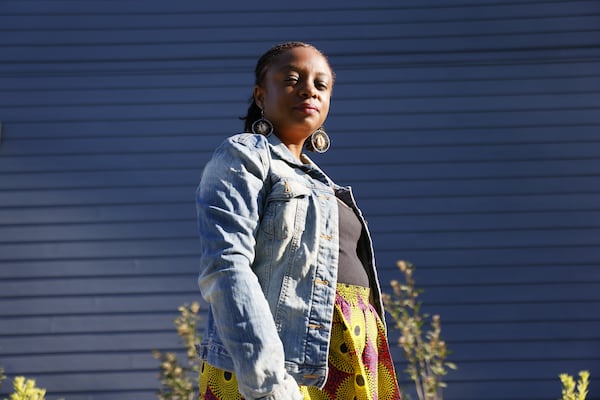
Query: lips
{"points": [[308, 108]]}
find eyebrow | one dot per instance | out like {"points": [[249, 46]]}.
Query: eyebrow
{"points": [[298, 69]]}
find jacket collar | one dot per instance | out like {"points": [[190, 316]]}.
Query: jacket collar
{"points": [[308, 166]]}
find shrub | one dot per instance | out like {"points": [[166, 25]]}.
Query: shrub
{"points": [[425, 351], [178, 379], [25, 389], [571, 391]]}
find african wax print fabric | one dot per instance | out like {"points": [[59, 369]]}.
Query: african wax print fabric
{"points": [[360, 364]]}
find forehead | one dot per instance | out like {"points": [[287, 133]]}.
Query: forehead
{"points": [[302, 58]]}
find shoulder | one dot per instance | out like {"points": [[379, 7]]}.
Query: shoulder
{"points": [[244, 148], [250, 141]]}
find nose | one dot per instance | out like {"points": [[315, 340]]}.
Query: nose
{"points": [[308, 90]]}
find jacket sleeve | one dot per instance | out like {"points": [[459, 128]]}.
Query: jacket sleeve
{"points": [[229, 202]]}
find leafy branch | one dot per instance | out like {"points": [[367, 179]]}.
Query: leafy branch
{"points": [[424, 350], [572, 391], [178, 378]]}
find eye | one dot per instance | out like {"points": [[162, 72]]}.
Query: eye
{"points": [[321, 85], [292, 79]]}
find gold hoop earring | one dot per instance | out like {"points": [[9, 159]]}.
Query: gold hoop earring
{"points": [[262, 126], [318, 141]]}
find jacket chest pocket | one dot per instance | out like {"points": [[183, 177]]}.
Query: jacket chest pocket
{"points": [[286, 208]]}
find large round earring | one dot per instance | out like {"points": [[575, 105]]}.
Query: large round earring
{"points": [[318, 141], [262, 126]]}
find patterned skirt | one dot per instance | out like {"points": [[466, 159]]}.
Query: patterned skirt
{"points": [[360, 365]]}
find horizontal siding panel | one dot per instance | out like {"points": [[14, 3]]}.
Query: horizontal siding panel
{"points": [[101, 15], [565, 333], [515, 239], [476, 186], [114, 145], [148, 211], [456, 314], [187, 152], [429, 79], [469, 120], [544, 332], [97, 286], [477, 257], [449, 94], [119, 179], [537, 44], [127, 304], [174, 244], [541, 132], [335, 30], [68, 344], [98, 196], [135, 324], [548, 292], [98, 172], [394, 121], [482, 222], [380, 206], [566, 222], [173, 161], [104, 365], [539, 377], [105, 249], [367, 189], [385, 57], [581, 291], [26, 130], [103, 179], [92, 268], [373, 207], [132, 82], [551, 351], [144, 95], [490, 273], [462, 170], [216, 109], [520, 369], [83, 232]]}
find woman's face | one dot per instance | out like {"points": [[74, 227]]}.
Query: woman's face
{"points": [[295, 93]]}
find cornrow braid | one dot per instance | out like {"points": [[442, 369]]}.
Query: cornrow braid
{"points": [[262, 65]]}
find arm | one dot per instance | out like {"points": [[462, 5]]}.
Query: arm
{"points": [[229, 202]]}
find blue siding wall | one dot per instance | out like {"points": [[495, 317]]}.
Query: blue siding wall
{"points": [[469, 130]]}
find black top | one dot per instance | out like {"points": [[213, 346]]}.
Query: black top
{"points": [[351, 269]]}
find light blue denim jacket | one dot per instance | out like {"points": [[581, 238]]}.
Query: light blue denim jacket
{"points": [[268, 229]]}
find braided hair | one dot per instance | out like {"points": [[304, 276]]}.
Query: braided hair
{"points": [[264, 62]]}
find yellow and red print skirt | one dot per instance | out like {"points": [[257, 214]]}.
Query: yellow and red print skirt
{"points": [[360, 365]]}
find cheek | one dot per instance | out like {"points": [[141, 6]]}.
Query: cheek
{"points": [[325, 108]]}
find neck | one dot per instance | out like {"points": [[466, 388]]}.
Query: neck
{"points": [[293, 143], [296, 150]]}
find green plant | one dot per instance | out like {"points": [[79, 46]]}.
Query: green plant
{"points": [[178, 379], [424, 350], [570, 390]]}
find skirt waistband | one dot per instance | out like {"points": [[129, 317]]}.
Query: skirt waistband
{"points": [[353, 294]]}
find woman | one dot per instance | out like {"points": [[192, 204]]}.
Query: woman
{"points": [[286, 260]]}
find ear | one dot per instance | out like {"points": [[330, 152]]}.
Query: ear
{"points": [[259, 95]]}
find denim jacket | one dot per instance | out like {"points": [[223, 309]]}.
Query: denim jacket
{"points": [[268, 227]]}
